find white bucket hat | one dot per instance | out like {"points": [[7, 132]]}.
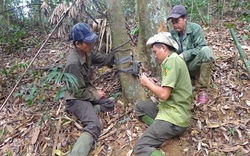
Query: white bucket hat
{"points": [[162, 37]]}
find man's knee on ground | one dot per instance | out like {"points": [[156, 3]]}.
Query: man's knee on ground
{"points": [[94, 130], [107, 104], [139, 107], [137, 149]]}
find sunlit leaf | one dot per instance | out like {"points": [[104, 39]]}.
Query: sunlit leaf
{"points": [[135, 31], [9, 153], [4, 72], [58, 152], [29, 102]]}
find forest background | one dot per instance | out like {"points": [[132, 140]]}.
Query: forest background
{"points": [[33, 46]]}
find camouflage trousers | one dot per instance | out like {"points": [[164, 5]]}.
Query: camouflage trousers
{"points": [[202, 66]]}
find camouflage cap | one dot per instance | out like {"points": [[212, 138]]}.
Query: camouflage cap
{"points": [[177, 12], [82, 32], [162, 37]]}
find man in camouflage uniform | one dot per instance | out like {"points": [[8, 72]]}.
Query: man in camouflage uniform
{"points": [[84, 102], [193, 49]]}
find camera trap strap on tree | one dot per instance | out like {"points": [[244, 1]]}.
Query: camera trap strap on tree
{"points": [[134, 69], [125, 59]]}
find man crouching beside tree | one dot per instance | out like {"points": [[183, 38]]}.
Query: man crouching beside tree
{"points": [[170, 116]]}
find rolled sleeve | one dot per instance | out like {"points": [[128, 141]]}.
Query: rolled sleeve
{"points": [[100, 59]]}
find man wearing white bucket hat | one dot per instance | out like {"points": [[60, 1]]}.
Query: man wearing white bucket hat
{"points": [[170, 116]]}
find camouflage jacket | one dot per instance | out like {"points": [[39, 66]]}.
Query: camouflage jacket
{"points": [[192, 42], [82, 70]]}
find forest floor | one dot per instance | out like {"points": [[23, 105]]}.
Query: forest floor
{"points": [[219, 128]]}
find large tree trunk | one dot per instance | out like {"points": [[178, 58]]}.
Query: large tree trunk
{"points": [[152, 19], [131, 88]]}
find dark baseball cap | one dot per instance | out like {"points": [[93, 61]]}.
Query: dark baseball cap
{"points": [[177, 12], [82, 32]]}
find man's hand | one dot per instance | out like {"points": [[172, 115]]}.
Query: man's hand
{"points": [[144, 80], [101, 93], [161, 92]]}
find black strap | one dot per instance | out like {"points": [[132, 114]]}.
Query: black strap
{"points": [[125, 59], [134, 69], [128, 70]]}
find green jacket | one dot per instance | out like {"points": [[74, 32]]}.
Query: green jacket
{"points": [[82, 70], [192, 42]]}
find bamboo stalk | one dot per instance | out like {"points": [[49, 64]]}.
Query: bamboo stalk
{"points": [[208, 16], [223, 7], [199, 12], [241, 51], [192, 11]]}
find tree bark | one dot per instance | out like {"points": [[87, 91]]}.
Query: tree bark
{"points": [[131, 88], [1, 5], [152, 19]]}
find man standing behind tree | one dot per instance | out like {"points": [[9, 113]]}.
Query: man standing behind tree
{"points": [[193, 49]]}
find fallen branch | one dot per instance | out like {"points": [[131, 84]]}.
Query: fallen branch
{"points": [[107, 129], [58, 127], [107, 135]]}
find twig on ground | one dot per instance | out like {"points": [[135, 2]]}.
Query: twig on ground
{"points": [[107, 135], [58, 127]]}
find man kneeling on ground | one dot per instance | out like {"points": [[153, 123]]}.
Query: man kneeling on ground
{"points": [[171, 116]]}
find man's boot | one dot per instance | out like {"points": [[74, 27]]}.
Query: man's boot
{"points": [[147, 119], [157, 153], [205, 74], [82, 145]]}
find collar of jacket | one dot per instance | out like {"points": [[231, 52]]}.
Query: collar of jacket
{"points": [[187, 31], [81, 60]]}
